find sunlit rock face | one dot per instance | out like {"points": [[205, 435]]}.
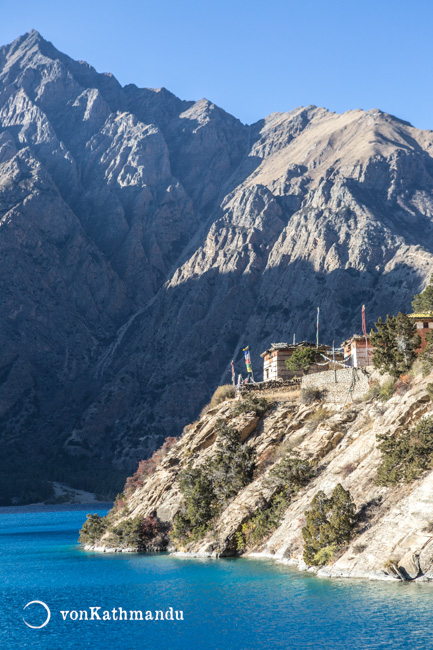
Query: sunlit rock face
{"points": [[145, 240]]}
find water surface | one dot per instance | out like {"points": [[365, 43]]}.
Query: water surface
{"points": [[230, 603]]}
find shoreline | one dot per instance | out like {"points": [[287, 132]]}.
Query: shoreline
{"points": [[55, 507], [324, 572]]}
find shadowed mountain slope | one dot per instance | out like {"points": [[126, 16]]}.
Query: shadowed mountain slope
{"points": [[146, 239]]}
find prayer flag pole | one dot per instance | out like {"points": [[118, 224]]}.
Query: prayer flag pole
{"points": [[364, 331]]}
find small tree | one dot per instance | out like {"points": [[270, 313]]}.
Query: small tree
{"points": [[423, 302], [302, 359], [233, 464], [330, 523], [394, 343]]}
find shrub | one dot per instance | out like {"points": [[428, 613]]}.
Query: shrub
{"points": [[348, 469], [93, 529], [291, 473], [383, 392], [148, 466], [386, 390], [251, 404], [262, 523], [329, 525], [315, 418], [310, 395], [406, 454], [359, 548], [372, 392], [429, 390], [221, 394]]}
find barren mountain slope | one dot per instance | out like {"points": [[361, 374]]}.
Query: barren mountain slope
{"points": [[146, 239]]}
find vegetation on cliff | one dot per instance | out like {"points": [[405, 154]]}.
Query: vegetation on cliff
{"points": [[330, 523], [407, 454], [207, 488], [285, 478]]}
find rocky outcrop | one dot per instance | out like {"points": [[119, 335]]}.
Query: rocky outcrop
{"points": [[145, 240], [394, 534]]}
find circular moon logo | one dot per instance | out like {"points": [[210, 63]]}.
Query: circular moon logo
{"points": [[38, 602]]}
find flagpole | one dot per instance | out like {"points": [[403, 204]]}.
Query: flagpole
{"points": [[364, 331], [333, 359]]}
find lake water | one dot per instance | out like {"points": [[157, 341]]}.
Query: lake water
{"points": [[230, 603]]}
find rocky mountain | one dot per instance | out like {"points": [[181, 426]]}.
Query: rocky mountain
{"points": [[393, 535], [145, 240]]}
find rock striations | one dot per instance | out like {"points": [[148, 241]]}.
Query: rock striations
{"points": [[393, 538], [145, 240]]}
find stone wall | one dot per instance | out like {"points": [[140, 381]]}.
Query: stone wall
{"points": [[352, 383], [275, 384]]}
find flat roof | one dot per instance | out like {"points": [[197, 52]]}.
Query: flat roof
{"points": [[294, 346], [428, 315]]}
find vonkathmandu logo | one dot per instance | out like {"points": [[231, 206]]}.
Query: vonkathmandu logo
{"points": [[115, 614], [120, 614], [47, 610]]}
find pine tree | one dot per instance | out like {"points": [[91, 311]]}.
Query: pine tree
{"points": [[394, 343], [423, 302]]}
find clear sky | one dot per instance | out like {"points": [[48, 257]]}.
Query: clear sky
{"points": [[251, 57]]}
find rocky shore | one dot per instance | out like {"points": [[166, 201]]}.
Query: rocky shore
{"points": [[393, 539]]}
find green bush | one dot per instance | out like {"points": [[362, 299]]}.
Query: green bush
{"points": [[251, 404], [406, 454], [386, 390], [262, 523], [291, 473], [329, 525]]}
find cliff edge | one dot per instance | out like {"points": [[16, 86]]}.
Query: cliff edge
{"points": [[321, 444]]}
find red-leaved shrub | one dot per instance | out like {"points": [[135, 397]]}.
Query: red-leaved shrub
{"points": [[147, 467]]}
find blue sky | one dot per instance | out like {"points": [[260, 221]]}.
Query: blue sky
{"points": [[250, 57]]}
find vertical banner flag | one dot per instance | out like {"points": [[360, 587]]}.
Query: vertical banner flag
{"points": [[247, 359], [317, 328], [233, 374]]}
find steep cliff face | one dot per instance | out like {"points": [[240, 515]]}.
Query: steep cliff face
{"points": [[146, 239], [393, 538]]}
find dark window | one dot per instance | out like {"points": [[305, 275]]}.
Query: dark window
{"points": [[425, 325]]}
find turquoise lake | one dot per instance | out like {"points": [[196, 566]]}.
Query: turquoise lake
{"points": [[231, 603]]}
